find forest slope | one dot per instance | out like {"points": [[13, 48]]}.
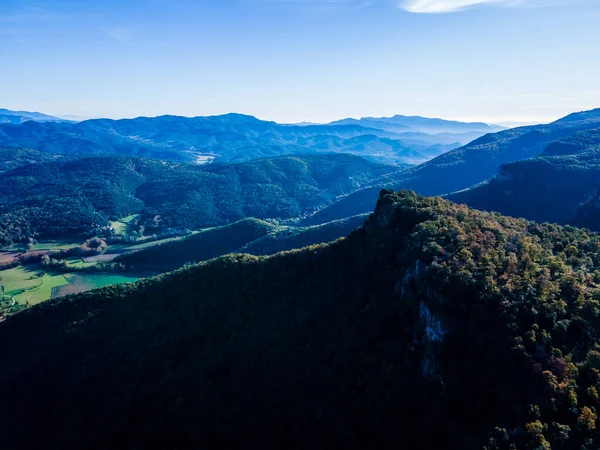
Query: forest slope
{"points": [[434, 326], [82, 196], [469, 165], [245, 236], [556, 186]]}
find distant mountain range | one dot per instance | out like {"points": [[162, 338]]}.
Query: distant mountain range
{"points": [[474, 163], [431, 325], [19, 117], [402, 124], [238, 138]]}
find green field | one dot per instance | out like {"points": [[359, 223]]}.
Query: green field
{"points": [[33, 284], [81, 282], [79, 263], [54, 245], [46, 245], [30, 285], [122, 226]]}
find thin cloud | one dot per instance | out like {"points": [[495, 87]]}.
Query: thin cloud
{"points": [[119, 34], [447, 6]]}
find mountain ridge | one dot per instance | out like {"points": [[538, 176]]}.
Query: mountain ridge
{"points": [[60, 198], [18, 117], [469, 165], [432, 326]]}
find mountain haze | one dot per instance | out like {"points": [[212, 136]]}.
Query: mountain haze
{"points": [[19, 117], [402, 124], [471, 164], [226, 138]]}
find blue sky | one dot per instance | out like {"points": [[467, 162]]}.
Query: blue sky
{"points": [[302, 60]]}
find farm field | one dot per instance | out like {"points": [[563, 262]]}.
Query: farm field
{"points": [[122, 226], [81, 282], [54, 245], [80, 263], [42, 246], [29, 285]]}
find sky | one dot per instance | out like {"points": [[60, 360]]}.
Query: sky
{"points": [[302, 60]]}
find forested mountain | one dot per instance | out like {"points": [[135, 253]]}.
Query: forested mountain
{"points": [[556, 186], [19, 117], [79, 196], [472, 164], [402, 124], [11, 158], [433, 326], [481, 158], [227, 138], [245, 236]]}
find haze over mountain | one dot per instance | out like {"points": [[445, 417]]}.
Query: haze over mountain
{"points": [[234, 138], [469, 165], [401, 124], [19, 117]]}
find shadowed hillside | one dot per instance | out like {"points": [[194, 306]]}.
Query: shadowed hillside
{"points": [[552, 187], [469, 165], [432, 327], [246, 236]]}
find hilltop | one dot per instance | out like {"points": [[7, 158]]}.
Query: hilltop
{"points": [[432, 326]]}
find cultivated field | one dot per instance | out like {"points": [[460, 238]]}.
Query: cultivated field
{"points": [[82, 282], [29, 285]]}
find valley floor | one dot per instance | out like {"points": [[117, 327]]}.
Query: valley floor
{"points": [[27, 285]]}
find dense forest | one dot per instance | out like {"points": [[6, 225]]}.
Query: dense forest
{"points": [[79, 197], [252, 236], [11, 158], [432, 326]]}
